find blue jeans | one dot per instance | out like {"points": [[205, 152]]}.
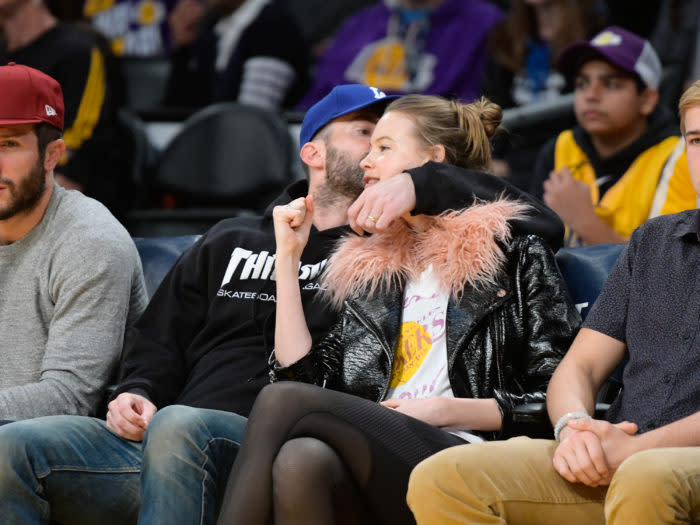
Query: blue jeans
{"points": [[72, 469]]}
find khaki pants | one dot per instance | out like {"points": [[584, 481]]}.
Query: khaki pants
{"points": [[514, 482]]}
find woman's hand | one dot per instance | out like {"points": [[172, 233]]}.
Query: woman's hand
{"points": [[292, 225], [430, 410]]}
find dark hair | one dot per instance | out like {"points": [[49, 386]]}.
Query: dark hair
{"points": [[45, 134], [508, 40]]}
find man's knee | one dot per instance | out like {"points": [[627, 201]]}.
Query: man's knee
{"points": [[173, 419], [17, 445], [29, 446], [172, 429], [651, 486], [646, 474]]}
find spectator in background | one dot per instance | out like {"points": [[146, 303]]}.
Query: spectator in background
{"points": [[624, 162], [524, 47], [70, 276], [520, 70], [248, 51], [133, 27], [95, 162], [320, 19], [433, 47]]}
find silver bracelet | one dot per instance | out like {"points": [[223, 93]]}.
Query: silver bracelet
{"points": [[564, 420]]}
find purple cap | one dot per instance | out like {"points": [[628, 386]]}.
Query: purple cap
{"points": [[340, 101], [621, 48]]}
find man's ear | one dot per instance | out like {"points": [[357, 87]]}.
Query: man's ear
{"points": [[54, 152], [313, 154], [650, 98], [437, 153]]}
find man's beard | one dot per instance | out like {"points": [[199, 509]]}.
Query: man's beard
{"points": [[25, 196], [344, 178]]}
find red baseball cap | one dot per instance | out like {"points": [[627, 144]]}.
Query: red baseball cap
{"points": [[28, 96]]}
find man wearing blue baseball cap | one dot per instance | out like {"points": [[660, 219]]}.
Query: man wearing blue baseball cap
{"points": [[199, 353], [624, 162]]}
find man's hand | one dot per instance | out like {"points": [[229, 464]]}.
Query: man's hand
{"points": [[292, 225], [184, 22], [591, 450], [570, 199], [428, 410], [384, 201], [129, 415], [618, 440]]}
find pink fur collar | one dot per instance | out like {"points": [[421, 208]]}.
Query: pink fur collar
{"points": [[461, 245]]}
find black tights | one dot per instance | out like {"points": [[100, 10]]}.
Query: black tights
{"points": [[354, 469]]}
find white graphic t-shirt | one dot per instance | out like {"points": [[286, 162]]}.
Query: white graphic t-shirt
{"points": [[420, 360]]}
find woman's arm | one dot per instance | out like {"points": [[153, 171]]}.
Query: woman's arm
{"points": [[472, 414], [292, 224]]}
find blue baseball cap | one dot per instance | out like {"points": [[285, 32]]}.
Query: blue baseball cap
{"points": [[340, 101]]}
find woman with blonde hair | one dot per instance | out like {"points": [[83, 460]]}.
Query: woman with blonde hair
{"points": [[446, 323]]}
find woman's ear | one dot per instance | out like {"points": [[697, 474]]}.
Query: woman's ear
{"points": [[54, 152], [437, 153]]}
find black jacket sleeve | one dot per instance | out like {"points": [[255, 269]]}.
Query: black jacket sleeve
{"points": [[441, 187], [154, 363], [550, 322], [543, 166], [320, 366]]}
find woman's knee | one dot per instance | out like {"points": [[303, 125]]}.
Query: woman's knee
{"points": [[304, 462]]}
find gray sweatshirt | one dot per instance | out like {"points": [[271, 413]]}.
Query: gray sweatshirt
{"points": [[68, 289]]}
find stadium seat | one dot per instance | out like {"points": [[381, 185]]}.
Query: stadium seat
{"points": [[158, 254], [226, 160], [146, 80]]}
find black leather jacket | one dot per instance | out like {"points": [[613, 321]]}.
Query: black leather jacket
{"points": [[503, 342]]}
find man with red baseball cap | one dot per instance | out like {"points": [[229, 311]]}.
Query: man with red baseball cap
{"points": [[70, 276], [80, 62]]}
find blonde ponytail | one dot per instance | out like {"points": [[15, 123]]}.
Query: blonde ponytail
{"points": [[464, 130]]}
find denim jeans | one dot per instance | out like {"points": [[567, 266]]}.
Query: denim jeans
{"points": [[73, 470]]}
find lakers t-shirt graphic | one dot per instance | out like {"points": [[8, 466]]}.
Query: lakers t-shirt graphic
{"points": [[420, 358]]}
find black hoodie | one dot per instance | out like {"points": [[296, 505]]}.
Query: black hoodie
{"points": [[206, 335], [661, 125]]}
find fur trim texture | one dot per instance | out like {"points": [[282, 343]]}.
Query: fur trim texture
{"points": [[461, 245]]}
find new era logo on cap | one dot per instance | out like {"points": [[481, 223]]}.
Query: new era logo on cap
{"points": [[29, 97], [340, 101]]}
